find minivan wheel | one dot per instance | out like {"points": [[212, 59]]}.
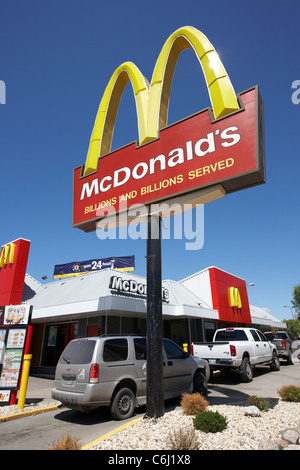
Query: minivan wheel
{"points": [[123, 404], [200, 384]]}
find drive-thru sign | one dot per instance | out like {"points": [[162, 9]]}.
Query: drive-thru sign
{"points": [[201, 158], [220, 148]]}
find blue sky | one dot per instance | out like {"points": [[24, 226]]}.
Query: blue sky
{"points": [[56, 59]]}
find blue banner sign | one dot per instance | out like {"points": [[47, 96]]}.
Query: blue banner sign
{"points": [[77, 268]]}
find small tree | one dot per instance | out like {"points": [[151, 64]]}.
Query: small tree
{"points": [[293, 327], [296, 298]]}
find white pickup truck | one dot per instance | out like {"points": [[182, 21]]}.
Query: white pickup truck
{"points": [[238, 349]]}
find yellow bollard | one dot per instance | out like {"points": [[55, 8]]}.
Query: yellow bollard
{"points": [[185, 347], [24, 381]]}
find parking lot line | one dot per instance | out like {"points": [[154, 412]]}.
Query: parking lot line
{"points": [[111, 433]]}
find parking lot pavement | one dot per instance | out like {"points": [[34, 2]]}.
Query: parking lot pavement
{"points": [[228, 389], [221, 389]]}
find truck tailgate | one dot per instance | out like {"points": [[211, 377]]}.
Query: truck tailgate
{"points": [[279, 346], [212, 352]]}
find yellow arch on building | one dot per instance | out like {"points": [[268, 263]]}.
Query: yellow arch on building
{"points": [[234, 297], [7, 254], [152, 102]]}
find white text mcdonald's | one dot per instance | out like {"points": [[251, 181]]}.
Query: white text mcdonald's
{"points": [[199, 152]]}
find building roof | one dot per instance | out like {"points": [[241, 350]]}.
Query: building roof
{"points": [[70, 298], [30, 288], [261, 316], [89, 293]]}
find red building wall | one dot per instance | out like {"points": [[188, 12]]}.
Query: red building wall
{"points": [[221, 282], [12, 274]]}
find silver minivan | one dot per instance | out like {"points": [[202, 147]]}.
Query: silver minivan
{"points": [[112, 371]]}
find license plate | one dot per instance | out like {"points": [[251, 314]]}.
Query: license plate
{"points": [[68, 382], [212, 361]]}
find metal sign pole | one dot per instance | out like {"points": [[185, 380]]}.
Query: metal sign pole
{"points": [[155, 386]]}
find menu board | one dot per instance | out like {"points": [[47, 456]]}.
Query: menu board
{"points": [[11, 368], [16, 315], [16, 338], [14, 320], [4, 397]]}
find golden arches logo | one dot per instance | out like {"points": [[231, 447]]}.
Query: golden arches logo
{"points": [[234, 297], [152, 101], [7, 254]]}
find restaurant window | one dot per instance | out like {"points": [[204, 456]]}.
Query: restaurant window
{"points": [[56, 339], [210, 329]]}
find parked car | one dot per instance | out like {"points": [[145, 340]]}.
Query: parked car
{"points": [[238, 349], [112, 371], [285, 343]]}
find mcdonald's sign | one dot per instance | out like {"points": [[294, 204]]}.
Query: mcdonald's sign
{"points": [[13, 262], [207, 155], [234, 297], [7, 254]]}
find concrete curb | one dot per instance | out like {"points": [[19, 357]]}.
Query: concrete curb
{"points": [[24, 414]]}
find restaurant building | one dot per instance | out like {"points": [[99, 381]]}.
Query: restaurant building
{"points": [[113, 302]]}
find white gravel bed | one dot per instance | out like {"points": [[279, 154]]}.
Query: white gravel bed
{"points": [[13, 409], [242, 432]]}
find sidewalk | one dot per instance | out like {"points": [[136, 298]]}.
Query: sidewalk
{"points": [[39, 390], [38, 399]]}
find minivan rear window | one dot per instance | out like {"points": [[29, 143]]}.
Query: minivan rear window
{"points": [[78, 352], [115, 349]]}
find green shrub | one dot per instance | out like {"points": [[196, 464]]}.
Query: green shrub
{"points": [[193, 403], [183, 439], [210, 421], [290, 393], [259, 402]]}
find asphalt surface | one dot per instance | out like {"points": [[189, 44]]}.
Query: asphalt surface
{"points": [[221, 390], [38, 431]]}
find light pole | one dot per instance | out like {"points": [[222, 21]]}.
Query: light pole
{"points": [[155, 384], [287, 306]]}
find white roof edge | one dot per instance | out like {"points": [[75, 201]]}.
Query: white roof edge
{"points": [[195, 274], [20, 238], [206, 269]]}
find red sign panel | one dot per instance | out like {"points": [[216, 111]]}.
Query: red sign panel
{"points": [[197, 152], [12, 271], [221, 282]]}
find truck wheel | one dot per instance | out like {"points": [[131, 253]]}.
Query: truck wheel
{"points": [[123, 404], [246, 371], [290, 359], [275, 365], [200, 384]]}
